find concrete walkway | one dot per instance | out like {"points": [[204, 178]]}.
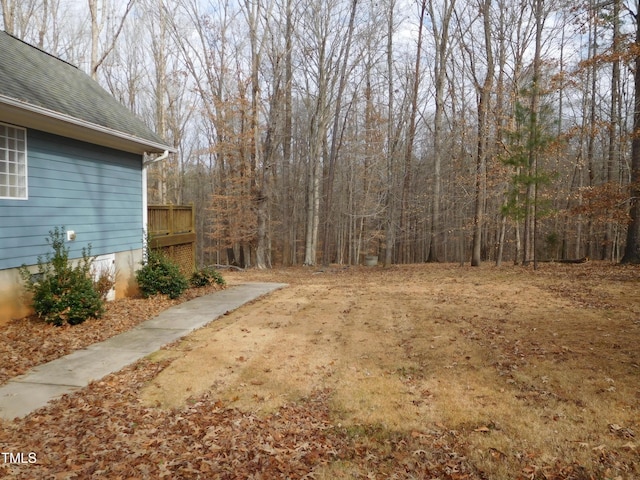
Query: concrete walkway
{"points": [[26, 393]]}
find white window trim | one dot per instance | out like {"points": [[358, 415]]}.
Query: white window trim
{"points": [[26, 166]]}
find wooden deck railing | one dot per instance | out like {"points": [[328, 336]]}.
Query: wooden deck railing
{"points": [[172, 230]]}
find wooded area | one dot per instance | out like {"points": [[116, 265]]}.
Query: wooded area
{"points": [[415, 130]]}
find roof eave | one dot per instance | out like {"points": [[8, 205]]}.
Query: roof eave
{"points": [[32, 116]]}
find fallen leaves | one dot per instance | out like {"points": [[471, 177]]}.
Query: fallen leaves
{"points": [[621, 431], [104, 431], [29, 341]]}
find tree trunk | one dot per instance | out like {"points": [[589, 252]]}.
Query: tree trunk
{"points": [[8, 15], [531, 204], [482, 140], [389, 222], [403, 250], [632, 247], [97, 24], [288, 222], [612, 154], [335, 136], [159, 47], [441, 38]]}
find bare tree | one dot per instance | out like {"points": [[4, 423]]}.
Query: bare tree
{"points": [[33, 20], [302, 126], [442, 43], [99, 15], [484, 91], [404, 245], [345, 50], [391, 141], [632, 248], [319, 28]]}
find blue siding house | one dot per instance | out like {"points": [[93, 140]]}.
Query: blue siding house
{"points": [[71, 156]]}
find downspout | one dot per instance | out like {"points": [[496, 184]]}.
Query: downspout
{"points": [[145, 203]]}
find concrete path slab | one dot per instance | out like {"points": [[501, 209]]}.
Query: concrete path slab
{"points": [[26, 393], [141, 339], [20, 399], [77, 369]]}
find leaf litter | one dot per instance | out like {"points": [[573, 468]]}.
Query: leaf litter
{"points": [[107, 430], [29, 341]]}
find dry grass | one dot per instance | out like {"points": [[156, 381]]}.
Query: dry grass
{"points": [[528, 374]]}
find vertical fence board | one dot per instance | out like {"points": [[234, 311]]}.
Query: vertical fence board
{"points": [[172, 231]]}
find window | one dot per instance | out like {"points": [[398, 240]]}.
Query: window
{"points": [[13, 162]]}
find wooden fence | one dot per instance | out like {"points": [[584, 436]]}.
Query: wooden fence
{"points": [[172, 230]]}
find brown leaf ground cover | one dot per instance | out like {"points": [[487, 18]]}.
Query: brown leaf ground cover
{"points": [[28, 342], [426, 371]]}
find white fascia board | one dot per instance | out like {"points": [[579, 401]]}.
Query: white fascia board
{"points": [[32, 116]]}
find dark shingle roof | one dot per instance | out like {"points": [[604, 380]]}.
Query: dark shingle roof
{"points": [[36, 78]]}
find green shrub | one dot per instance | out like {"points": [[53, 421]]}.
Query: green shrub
{"points": [[61, 291], [206, 276], [160, 275]]}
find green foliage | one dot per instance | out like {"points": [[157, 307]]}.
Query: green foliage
{"points": [[552, 242], [531, 138], [61, 291], [206, 276], [160, 275]]}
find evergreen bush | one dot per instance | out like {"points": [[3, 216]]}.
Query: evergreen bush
{"points": [[61, 291], [160, 275], [206, 276]]}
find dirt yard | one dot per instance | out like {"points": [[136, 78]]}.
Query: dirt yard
{"points": [[430, 371]]}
